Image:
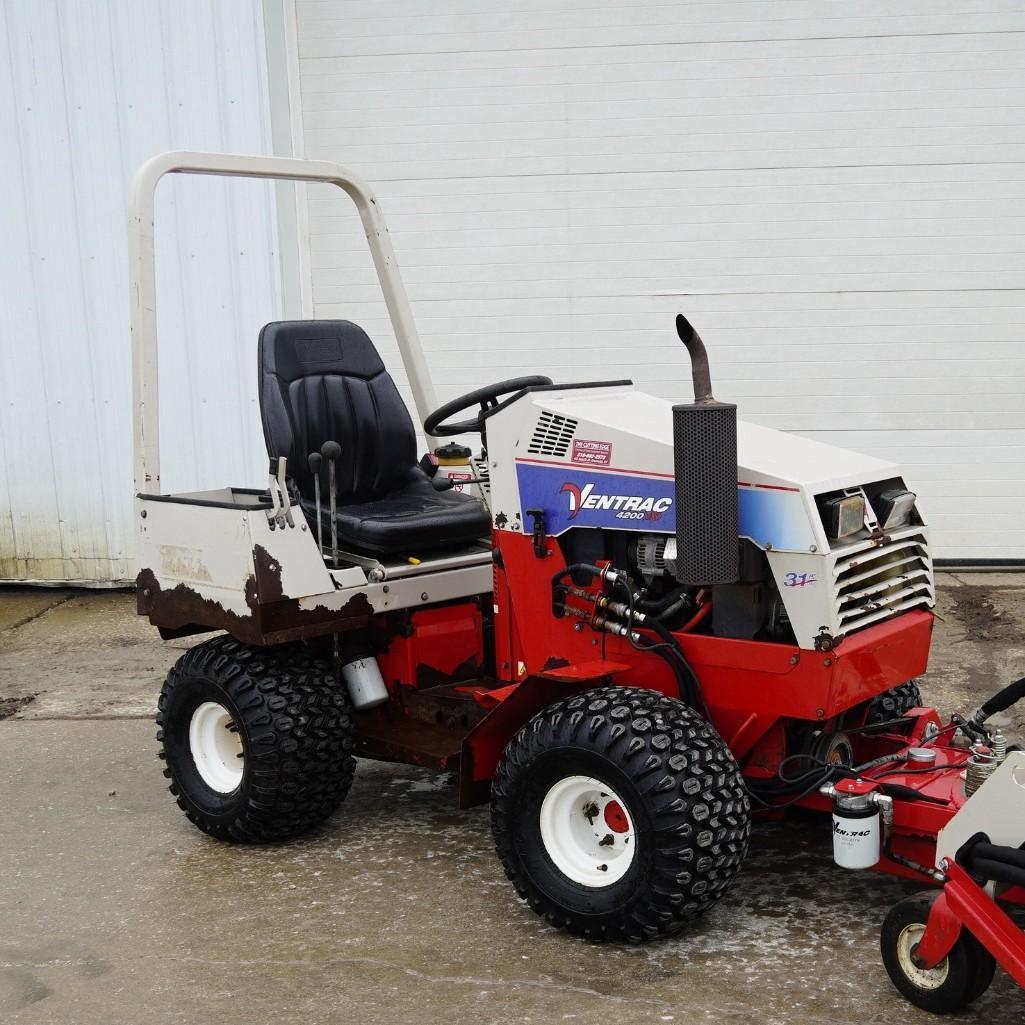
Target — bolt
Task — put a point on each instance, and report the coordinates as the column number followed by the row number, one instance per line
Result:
column 143, row 514
column 794, row 659
column 386, row 588
column 607, row 840
column 813, row 548
column 423, row 596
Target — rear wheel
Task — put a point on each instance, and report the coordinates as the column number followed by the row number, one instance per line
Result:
column 961, row 977
column 257, row 741
column 620, row 814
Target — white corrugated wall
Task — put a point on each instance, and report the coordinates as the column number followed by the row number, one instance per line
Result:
column 88, row 90
column 832, row 192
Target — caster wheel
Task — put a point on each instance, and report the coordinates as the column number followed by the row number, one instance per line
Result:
column 961, row 977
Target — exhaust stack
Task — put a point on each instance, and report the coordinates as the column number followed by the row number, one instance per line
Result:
column 705, row 451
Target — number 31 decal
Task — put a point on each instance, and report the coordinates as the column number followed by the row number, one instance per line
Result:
column 799, row 579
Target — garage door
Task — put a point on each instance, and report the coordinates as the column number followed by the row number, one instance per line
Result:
column 833, row 193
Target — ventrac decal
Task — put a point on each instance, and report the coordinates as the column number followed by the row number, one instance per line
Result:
column 626, row 507
column 575, row 497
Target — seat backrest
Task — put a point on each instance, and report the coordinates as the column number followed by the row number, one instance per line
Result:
column 323, row 380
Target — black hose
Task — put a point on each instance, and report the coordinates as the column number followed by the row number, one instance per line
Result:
column 992, row 852
column 682, row 683
column 996, row 871
column 696, row 698
column 654, row 606
column 1001, row 701
column 576, row 567
column 672, row 611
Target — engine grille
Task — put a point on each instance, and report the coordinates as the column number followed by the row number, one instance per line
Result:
column 552, row 435
column 877, row 582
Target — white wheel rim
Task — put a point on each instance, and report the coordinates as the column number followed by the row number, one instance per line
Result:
column 923, row 978
column 587, row 831
column 216, row 747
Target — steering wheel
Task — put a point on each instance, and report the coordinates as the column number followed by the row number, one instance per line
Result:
column 486, row 397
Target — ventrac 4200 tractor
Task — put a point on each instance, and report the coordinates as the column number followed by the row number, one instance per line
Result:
column 628, row 624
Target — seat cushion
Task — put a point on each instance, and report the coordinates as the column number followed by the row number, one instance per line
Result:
column 411, row 518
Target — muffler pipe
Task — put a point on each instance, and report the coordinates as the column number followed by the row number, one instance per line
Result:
column 705, row 456
column 698, row 360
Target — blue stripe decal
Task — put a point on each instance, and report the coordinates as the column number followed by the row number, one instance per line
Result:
column 573, row 497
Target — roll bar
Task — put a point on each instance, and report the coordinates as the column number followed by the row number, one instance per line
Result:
column 142, row 272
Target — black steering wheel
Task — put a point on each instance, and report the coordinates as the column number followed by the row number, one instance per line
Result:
column 487, row 398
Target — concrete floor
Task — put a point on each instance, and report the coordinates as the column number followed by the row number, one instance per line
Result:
column 113, row 909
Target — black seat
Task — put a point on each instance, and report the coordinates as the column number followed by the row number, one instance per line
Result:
column 323, row 380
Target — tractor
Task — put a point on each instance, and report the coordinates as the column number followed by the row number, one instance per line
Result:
column 631, row 625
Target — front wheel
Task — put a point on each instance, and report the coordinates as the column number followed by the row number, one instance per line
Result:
column 962, row 976
column 257, row 741
column 894, row 703
column 620, row 814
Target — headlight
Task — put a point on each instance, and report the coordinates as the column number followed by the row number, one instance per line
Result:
column 893, row 507
column 843, row 515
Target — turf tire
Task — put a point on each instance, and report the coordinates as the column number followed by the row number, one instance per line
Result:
column 295, row 724
column 894, row 703
column 681, row 786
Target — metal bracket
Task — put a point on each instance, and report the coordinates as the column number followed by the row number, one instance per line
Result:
column 538, row 533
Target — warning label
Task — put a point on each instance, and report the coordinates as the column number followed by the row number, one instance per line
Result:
column 592, row 453
column 460, row 480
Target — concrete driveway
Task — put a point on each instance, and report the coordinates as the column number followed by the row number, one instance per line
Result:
column 113, row 909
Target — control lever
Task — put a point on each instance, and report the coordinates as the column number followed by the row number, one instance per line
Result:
column 274, row 512
column 285, row 516
column 314, row 460
column 331, row 450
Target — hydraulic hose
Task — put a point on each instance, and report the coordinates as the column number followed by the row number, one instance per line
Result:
column 576, row 567
column 656, row 606
column 694, row 696
column 1001, row 701
column 993, row 852
column 997, row 871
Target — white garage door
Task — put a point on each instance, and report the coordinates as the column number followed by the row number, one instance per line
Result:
column 88, row 91
column 833, row 193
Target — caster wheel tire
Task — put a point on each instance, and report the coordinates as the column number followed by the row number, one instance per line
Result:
column 894, row 703
column 620, row 814
column 963, row 976
column 257, row 741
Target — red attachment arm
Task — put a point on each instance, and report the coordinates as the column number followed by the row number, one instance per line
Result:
column 963, row 901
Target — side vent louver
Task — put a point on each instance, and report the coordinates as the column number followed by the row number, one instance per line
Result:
column 552, row 435
column 877, row 582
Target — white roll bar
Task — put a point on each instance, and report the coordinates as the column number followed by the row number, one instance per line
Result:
column 143, row 280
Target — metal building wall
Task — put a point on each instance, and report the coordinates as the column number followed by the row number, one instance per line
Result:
column 832, row 192
column 88, row 90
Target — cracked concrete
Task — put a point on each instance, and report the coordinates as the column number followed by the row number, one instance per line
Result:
column 114, row 909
